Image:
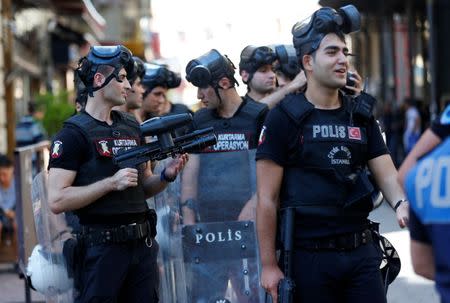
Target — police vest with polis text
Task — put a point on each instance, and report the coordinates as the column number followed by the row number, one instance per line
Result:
column 325, row 171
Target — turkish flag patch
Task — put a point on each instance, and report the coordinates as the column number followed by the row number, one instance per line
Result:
column 354, row 133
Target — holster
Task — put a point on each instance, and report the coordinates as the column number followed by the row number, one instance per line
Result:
column 73, row 252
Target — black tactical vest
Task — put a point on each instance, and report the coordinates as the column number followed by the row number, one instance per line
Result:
column 104, row 142
column 239, row 132
column 325, row 173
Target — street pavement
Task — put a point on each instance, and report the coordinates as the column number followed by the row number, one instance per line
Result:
column 408, row 287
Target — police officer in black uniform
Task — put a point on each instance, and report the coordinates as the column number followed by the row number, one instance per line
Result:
column 135, row 94
column 257, row 71
column 228, row 113
column 216, row 185
column 116, row 253
column 311, row 158
column 255, row 68
column 157, row 80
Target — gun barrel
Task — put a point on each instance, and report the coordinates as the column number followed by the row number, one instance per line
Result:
column 195, row 133
column 135, row 152
column 200, row 143
column 159, row 125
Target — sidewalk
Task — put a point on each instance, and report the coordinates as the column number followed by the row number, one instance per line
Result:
column 12, row 288
column 407, row 287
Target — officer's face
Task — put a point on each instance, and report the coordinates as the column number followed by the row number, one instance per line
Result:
column 116, row 91
column 154, row 101
column 263, row 80
column 135, row 95
column 282, row 79
column 208, row 97
column 6, row 176
column 329, row 65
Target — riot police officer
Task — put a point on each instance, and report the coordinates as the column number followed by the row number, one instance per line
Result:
column 218, row 187
column 157, row 80
column 116, row 250
column 224, row 110
column 135, row 94
column 311, row 158
column 255, row 68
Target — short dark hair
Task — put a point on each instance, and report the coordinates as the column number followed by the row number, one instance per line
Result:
column 5, row 161
column 32, row 107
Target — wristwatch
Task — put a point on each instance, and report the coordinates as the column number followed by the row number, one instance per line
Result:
column 399, row 202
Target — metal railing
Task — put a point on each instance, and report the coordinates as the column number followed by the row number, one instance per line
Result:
column 29, row 161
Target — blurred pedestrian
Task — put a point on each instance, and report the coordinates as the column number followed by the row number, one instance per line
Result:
column 412, row 129
column 28, row 129
column 432, row 137
column 7, row 197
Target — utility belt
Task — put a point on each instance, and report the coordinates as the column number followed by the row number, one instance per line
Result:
column 97, row 235
column 348, row 241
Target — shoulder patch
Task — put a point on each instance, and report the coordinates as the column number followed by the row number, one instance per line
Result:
column 57, row 149
column 262, row 136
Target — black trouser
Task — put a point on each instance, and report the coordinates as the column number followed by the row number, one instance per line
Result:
column 350, row 276
column 120, row 272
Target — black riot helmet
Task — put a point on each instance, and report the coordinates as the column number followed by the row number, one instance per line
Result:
column 253, row 57
column 307, row 35
column 209, row 68
column 287, row 61
column 159, row 75
column 117, row 56
column 138, row 70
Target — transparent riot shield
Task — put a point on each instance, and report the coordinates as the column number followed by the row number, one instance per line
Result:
column 47, row 267
column 170, row 256
column 218, row 202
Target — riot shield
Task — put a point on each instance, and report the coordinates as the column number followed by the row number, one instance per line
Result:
column 218, row 202
column 47, row 267
column 170, row 256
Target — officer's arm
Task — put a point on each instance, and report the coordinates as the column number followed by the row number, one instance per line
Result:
column 63, row 196
column 385, row 174
column 189, row 184
column 274, row 98
column 269, row 176
column 422, row 259
column 426, row 143
column 154, row 184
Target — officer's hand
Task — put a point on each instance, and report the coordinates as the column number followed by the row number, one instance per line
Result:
column 10, row 214
column 124, row 178
column 270, row 277
column 357, row 88
column 403, row 214
column 297, row 82
column 176, row 165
